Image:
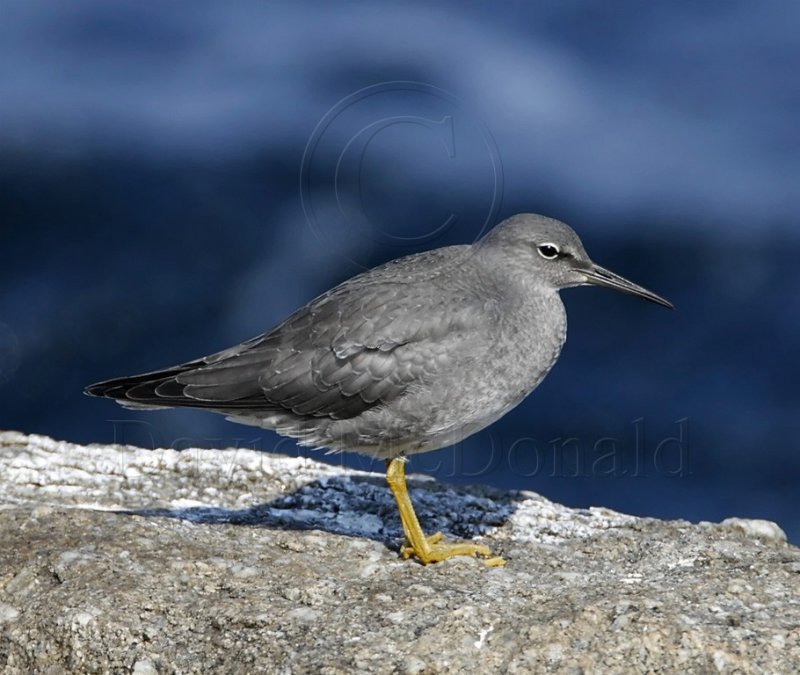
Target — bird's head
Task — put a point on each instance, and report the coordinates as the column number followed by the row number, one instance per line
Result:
column 550, row 253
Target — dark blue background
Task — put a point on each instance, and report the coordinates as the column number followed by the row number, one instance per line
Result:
column 150, row 205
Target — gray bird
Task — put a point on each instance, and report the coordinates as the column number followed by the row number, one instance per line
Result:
column 408, row 357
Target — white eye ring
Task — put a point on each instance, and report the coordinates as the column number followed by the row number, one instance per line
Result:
column 548, row 251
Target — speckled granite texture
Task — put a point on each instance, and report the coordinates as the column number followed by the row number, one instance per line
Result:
column 117, row 559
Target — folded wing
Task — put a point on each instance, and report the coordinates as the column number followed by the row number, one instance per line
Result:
column 340, row 355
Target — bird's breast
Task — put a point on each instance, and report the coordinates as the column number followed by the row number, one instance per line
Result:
column 527, row 345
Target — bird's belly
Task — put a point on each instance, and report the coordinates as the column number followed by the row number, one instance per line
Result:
column 474, row 398
column 443, row 438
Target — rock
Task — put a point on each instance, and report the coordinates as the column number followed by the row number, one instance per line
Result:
column 8, row 613
column 753, row 527
column 126, row 560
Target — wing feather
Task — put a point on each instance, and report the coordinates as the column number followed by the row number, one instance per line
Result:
column 358, row 346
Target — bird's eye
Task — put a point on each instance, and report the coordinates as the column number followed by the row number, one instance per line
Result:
column 548, row 251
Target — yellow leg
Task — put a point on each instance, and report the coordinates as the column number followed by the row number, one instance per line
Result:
column 426, row 549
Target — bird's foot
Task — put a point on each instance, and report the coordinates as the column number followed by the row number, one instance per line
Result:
column 432, row 551
column 407, row 549
column 427, row 549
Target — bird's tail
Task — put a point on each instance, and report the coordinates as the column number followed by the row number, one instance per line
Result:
column 158, row 389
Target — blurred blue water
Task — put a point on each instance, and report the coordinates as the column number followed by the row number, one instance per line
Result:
column 151, row 212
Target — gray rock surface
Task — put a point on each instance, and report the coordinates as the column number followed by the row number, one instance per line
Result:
column 117, row 559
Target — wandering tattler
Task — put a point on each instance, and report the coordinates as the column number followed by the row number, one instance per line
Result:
column 408, row 357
